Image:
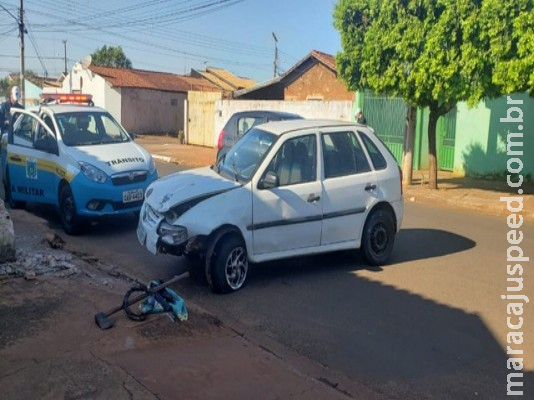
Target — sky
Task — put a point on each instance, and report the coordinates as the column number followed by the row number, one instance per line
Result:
column 169, row 35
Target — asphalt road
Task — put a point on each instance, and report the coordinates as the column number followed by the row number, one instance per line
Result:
column 429, row 325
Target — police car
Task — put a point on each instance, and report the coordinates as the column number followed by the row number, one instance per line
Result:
column 76, row 157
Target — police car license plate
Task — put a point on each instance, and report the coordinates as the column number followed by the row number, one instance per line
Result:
column 129, row 196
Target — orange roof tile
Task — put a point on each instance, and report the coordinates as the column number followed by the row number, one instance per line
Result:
column 236, row 82
column 216, row 80
column 327, row 59
column 135, row 78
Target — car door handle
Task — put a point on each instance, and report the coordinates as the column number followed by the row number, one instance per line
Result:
column 313, row 198
column 370, row 187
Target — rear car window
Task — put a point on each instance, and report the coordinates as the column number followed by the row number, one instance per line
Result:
column 343, row 154
column 245, row 123
column 378, row 160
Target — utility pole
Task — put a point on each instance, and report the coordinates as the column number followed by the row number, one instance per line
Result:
column 21, row 33
column 275, row 54
column 65, row 46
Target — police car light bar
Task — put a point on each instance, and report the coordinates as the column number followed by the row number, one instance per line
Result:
column 67, row 98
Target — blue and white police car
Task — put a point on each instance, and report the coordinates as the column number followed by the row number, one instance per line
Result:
column 76, row 157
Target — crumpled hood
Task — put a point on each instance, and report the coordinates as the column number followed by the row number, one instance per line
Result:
column 113, row 158
column 177, row 188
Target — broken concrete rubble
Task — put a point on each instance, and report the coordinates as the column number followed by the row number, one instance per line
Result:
column 32, row 264
column 7, row 236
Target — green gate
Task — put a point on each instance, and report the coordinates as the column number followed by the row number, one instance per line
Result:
column 387, row 116
column 446, row 134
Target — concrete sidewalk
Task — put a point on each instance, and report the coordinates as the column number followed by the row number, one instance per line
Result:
column 51, row 348
column 476, row 195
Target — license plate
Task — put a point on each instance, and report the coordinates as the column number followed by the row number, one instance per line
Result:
column 141, row 233
column 129, row 196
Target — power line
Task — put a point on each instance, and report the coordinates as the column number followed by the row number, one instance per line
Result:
column 37, row 52
column 158, row 37
column 9, row 12
column 200, row 57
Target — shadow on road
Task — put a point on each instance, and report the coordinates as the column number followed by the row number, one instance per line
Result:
column 413, row 244
column 409, row 345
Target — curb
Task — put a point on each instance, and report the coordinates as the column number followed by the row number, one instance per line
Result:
column 466, row 202
column 161, row 158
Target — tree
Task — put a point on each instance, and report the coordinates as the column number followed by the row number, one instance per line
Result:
column 433, row 53
column 511, row 37
column 111, row 57
column 14, row 80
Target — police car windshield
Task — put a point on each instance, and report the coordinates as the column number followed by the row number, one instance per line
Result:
column 90, row 128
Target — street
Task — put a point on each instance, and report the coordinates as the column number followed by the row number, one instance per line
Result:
column 430, row 325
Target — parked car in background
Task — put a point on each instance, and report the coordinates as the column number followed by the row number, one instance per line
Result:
column 76, row 157
column 286, row 189
column 242, row 121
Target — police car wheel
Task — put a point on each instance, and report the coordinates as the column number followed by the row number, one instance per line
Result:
column 67, row 210
column 13, row 204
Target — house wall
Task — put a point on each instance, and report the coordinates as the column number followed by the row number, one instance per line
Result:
column 81, row 80
column 152, row 111
column 31, row 93
column 84, row 81
column 317, row 83
column 481, row 138
column 480, row 142
column 271, row 92
column 338, row 110
column 112, row 101
column 137, row 110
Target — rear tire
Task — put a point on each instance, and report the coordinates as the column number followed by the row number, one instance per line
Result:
column 229, row 264
column 378, row 237
column 13, row 204
column 72, row 222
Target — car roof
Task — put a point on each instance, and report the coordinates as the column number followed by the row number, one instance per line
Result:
column 68, row 108
column 274, row 113
column 281, row 127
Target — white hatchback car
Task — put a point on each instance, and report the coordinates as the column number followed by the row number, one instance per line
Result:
column 286, row 189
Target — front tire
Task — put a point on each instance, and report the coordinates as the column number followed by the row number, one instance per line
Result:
column 229, row 265
column 72, row 223
column 378, row 237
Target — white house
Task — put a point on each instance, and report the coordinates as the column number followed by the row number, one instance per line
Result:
column 142, row 101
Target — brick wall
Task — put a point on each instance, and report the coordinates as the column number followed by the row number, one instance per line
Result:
column 316, row 83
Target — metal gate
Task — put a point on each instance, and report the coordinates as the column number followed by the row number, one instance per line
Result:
column 387, row 116
column 446, row 134
column 201, row 118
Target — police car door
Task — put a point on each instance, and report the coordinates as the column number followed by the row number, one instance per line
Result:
column 31, row 158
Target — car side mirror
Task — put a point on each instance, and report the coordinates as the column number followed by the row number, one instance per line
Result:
column 269, row 181
column 46, row 144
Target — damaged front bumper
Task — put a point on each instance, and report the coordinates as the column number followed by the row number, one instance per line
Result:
column 158, row 236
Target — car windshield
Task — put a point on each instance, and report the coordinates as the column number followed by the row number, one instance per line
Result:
column 245, row 156
column 90, row 128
